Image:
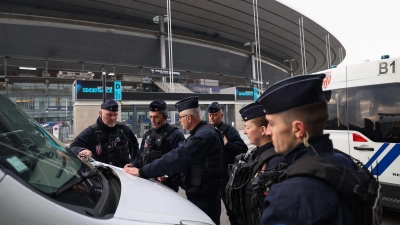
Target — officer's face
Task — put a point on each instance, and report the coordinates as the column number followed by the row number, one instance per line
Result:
column 282, row 134
column 157, row 119
column 215, row 118
column 109, row 118
column 184, row 118
column 256, row 134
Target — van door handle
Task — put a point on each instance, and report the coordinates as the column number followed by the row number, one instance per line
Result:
column 363, row 148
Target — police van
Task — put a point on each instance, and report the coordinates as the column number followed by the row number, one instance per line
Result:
column 44, row 182
column 364, row 118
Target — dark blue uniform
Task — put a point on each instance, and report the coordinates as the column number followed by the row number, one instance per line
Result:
column 87, row 139
column 235, row 144
column 233, row 147
column 250, row 216
column 173, row 140
column 201, row 151
column 306, row 200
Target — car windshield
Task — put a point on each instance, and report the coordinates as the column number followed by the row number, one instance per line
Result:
column 31, row 153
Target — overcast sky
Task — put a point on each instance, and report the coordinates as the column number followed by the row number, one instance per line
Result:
column 366, row 28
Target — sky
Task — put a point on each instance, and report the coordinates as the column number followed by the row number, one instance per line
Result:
column 367, row 29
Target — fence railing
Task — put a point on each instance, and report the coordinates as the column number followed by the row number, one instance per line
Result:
column 65, row 133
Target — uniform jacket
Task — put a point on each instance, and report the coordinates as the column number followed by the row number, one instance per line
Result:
column 198, row 146
column 174, row 139
column 235, row 144
column 87, row 140
column 306, row 200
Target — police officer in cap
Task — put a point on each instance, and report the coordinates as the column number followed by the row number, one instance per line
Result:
column 244, row 194
column 107, row 140
column 233, row 146
column 199, row 159
column 297, row 112
column 160, row 139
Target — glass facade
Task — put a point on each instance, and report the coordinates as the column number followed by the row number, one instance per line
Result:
column 43, row 87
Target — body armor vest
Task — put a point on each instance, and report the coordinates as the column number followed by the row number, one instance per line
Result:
column 210, row 167
column 156, row 145
column 243, row 196
column 112, row 148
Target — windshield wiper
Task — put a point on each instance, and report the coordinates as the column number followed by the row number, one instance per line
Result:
column 68, row 185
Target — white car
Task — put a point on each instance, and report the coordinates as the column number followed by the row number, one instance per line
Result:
column 43, row 182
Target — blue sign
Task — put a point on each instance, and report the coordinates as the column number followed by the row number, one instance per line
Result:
column 255, row 93
column 243, row 93
column 92, row 89
column 117, row 90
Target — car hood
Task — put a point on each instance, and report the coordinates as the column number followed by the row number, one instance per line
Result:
column 149, row 201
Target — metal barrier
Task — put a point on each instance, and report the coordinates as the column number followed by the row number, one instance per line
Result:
column 65, row 133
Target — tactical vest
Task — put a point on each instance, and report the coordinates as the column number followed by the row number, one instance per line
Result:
column 156, row 145
column 359, row 187
column 210, row 167
column 112, row 148
column 243, row 196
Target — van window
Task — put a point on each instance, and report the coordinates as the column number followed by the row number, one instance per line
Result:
column 337, row 110
column 372, row 110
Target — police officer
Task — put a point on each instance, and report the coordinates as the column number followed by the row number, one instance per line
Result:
column 233, row 146
column 107, row 140
column 160, row 139
column 297, row 112
column 199, row 159
column 244, row 195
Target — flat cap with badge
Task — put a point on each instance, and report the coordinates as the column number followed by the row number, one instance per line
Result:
column 157, row 105
column 110, row 105
column 252, row 111
column 187, row 103
column 292, row 92
column 214, row 107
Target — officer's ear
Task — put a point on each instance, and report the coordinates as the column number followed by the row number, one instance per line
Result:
column 298, row 129
column 263, row 130
column 100, row 114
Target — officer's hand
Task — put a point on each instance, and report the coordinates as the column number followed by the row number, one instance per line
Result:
column 128, row 165
column 264, row 167
column 225, row 140
column 132, row 170
column 162, row 179
column 85, row 154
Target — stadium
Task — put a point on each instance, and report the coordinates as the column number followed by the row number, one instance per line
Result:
column 51, row 50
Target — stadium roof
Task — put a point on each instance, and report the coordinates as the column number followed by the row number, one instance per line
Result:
column 228, row 23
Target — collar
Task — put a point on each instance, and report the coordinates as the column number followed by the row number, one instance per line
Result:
column 321, row 143
column 104, row 127
column 161, row 128
column 219, row 125
column 264, row 148
column 193, row 131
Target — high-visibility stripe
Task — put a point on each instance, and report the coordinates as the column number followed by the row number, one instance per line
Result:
column 376, row 155
column 387, row 160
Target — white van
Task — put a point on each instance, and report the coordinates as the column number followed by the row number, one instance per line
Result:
column 364, row 119
column 43, row 182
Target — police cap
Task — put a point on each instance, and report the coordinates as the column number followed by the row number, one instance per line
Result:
column 110, row 105
column 214, row 107
column 292, row 92
column 157, row 105
column 187, row 103
column 252, row 111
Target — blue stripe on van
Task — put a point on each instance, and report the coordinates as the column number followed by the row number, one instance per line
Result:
column 387, row 160
column 376, row 155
